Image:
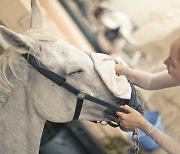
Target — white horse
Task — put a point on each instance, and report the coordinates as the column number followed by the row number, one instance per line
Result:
column 28, row 98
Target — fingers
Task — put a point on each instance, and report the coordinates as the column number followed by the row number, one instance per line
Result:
column 119, row 113
column 119, row 62
column 128, row 108
column 118, row 68
column 132, row 119
column 125, row 118
column 122, row 120
column 120, row 117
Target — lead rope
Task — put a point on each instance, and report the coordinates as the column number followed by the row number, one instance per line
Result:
column 135, row 138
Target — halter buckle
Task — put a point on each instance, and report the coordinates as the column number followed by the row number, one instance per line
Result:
column 81, row 95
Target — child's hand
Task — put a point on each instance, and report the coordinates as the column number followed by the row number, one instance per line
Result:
column 133, row 119
column 118, row 65
column 118, row 68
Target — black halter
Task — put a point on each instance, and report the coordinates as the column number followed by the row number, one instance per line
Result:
column 81, row 95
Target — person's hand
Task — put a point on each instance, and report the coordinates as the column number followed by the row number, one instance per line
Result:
column 118, row 68
column 132, row 119
column 118, row 65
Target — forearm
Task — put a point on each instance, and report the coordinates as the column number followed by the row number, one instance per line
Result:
column 167, row 143
column 147, row 80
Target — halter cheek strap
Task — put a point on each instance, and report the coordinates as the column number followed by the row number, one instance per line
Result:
column 80, row 98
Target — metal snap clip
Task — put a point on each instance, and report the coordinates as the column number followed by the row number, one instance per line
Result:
column 81, row 95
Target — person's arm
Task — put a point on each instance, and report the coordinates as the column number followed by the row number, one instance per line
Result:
column 146, row 80
column 135, row 120
column 166, row 142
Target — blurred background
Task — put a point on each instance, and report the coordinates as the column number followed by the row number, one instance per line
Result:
column 137, row 32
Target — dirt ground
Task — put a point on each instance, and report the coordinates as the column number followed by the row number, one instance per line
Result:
column 157, row 24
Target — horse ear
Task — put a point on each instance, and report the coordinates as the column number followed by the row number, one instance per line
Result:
column 18, row 41
column 36, row 17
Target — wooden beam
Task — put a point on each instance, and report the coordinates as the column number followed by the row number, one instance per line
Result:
column 66, row 24
column 15, row 14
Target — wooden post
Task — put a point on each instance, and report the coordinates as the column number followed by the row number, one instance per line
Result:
column 66, row 24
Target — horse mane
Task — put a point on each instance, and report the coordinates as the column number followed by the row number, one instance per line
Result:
column 10, row 59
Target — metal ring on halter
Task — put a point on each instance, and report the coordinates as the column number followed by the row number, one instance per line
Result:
column 103, row 123
column 81, row 95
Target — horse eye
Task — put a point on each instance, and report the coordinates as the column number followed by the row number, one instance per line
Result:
column 78, row 71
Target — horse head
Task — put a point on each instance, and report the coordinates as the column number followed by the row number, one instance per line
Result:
column 35, row 98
